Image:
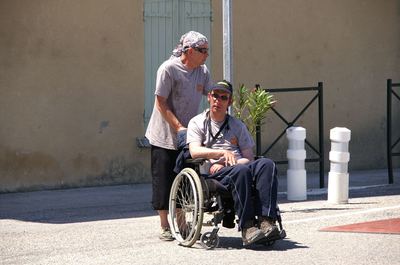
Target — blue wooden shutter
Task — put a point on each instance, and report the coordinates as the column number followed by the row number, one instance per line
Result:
column 165, row 22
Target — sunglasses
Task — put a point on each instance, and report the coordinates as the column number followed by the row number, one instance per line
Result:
column 201, row 50
column 219, row 97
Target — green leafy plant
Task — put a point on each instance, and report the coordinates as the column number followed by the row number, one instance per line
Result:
column 251, row 106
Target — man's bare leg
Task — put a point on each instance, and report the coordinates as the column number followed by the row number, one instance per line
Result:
column 163, row 218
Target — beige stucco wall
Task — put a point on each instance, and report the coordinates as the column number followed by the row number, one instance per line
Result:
column 72, row 80
column 71, row 86
column 351, row 46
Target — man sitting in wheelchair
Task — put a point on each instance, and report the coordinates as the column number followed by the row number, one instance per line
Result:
column 227, row 144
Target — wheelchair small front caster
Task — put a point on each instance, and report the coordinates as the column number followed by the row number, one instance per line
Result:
column 209, row 240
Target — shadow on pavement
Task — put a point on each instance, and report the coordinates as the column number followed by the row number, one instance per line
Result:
column 280, row 245
column 126, row 201
column 78, row 205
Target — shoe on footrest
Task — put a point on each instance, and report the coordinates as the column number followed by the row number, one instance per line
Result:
column 251, row 234
column 268, row 227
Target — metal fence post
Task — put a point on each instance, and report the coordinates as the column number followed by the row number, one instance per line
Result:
column 389, row 130
column 321, row 135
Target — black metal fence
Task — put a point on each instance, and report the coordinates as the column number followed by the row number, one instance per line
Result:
column 391, row 143
column 319, row 151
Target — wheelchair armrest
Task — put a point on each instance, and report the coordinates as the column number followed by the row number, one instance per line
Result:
column 195, row 161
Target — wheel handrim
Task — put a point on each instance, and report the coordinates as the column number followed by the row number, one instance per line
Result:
column 186, row 192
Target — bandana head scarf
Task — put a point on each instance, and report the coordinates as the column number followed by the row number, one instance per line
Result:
column 190, row 39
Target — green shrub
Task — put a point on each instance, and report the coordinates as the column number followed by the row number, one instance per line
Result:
column 251, row 106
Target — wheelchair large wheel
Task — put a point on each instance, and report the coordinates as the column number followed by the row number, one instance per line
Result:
column 186, row 207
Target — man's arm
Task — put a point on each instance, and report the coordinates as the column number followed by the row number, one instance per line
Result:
column 168, row 115
column 198, row 151
column 247, row 156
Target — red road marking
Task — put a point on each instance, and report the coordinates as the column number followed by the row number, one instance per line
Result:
column 388, row 226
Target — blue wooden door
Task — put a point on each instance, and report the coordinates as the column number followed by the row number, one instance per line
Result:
column 165, row 22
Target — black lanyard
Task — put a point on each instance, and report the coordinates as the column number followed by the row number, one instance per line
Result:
column 214, row 138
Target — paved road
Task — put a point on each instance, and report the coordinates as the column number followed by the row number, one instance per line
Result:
column 115, row 225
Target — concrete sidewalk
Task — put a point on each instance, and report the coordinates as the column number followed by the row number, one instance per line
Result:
column 116, row 225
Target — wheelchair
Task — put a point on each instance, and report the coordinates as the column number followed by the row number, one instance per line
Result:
column 191, row 196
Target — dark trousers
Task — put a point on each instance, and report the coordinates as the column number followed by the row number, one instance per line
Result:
column 162, row 169
column 254, row 188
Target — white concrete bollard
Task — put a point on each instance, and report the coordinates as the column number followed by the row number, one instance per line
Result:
column 338, row 182
column 296, row 173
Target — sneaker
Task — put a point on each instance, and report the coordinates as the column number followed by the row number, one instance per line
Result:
column 268, row 227
column 251, row 234
column 166, row 234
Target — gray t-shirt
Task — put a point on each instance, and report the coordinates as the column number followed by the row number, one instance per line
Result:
column 183, row 89
column 234, row 136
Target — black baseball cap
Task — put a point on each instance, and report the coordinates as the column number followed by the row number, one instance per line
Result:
column 222, row 85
